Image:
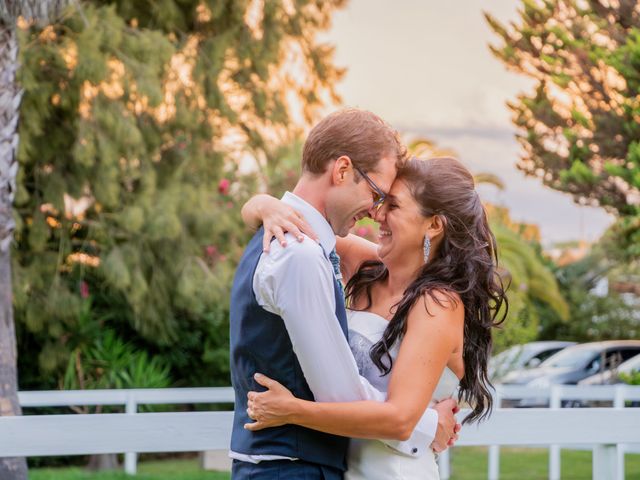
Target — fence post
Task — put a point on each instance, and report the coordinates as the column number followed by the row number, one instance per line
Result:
column 131, row 458
column 554, row 450
column 605, row 462
column 444, row 464
column 494, row 450
column 619, row 402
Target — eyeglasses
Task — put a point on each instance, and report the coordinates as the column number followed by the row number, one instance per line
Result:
column 378, row 195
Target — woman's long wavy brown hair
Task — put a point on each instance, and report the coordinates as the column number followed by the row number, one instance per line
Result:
column 464, row 264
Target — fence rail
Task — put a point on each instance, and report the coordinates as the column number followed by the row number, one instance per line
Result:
column 604, row 430
column 616, row 394
column 141, row 396
column 130, row 399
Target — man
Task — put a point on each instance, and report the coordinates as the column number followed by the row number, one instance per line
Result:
column 288, row 318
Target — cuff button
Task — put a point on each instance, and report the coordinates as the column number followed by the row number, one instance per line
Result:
column 414, row 450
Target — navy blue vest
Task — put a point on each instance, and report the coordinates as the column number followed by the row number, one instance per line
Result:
column 260, row 343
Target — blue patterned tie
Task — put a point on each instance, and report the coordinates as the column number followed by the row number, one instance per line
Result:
column 335, row 262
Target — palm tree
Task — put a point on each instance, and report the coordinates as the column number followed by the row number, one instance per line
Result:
column 12, row 11
column 489, row 179
column 424, row 148
column 521, row 266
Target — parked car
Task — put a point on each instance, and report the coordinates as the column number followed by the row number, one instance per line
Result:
column 611, row 377
column 528, row 355
column 571, row 365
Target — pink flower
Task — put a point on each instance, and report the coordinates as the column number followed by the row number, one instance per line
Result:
column 363, row 231
column 84, row 289
column 223, row 186
column 211, row 250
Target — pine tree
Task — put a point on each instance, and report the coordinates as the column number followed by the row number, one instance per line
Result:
column 140, row 122
column 579, row 126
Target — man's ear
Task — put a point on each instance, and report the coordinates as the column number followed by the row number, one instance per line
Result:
column 340, row 169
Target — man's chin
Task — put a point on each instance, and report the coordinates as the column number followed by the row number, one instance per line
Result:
column 344, row 231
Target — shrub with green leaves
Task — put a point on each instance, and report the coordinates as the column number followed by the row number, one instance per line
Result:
column 135, row 120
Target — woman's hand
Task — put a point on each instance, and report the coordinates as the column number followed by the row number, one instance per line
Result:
column 277, row 218
column 271, row 408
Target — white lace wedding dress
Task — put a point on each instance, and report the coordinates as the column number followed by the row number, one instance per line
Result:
column 372, row 459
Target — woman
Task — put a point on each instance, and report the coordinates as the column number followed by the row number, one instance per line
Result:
column 421, row 307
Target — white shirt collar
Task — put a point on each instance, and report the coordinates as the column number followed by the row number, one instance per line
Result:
column 316, row 220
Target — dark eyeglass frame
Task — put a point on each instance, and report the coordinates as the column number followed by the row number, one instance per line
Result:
column 382, row 196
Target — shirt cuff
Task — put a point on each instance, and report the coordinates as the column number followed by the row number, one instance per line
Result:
column 421, row 438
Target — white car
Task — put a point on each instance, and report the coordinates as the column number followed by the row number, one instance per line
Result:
column 518, row 357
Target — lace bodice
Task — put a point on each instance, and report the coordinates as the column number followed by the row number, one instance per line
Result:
column 365, row 329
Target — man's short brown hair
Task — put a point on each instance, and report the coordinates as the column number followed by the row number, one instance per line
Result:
column 361, row 135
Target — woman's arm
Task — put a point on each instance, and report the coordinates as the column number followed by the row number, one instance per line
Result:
column 252, row 210
column 277, row 218
column 432, row 336
column 354, row 251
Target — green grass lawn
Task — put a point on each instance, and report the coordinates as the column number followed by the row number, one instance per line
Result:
column 468, row 463
column 471, row 463
column 151, row 470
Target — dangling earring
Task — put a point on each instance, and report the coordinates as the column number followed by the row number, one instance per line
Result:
column 426, row 248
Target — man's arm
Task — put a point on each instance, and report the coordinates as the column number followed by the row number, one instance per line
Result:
column 296, row 283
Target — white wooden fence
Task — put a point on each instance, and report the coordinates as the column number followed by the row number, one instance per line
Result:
column 616, row 395
column 130, row 398
column 605, row 430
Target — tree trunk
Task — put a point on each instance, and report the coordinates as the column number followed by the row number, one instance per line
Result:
column 10, row 95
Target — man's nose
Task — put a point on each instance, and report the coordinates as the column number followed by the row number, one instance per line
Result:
column 376, row 212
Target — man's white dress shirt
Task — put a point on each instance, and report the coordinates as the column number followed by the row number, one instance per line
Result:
column 296, row 283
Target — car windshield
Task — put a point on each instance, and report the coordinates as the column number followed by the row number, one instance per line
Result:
column 630, row 365
column 510, row 355
column 513, row 357
column 570, row 358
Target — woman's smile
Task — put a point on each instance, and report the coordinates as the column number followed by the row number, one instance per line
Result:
column 384, row 234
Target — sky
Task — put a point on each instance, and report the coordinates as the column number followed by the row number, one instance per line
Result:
column 425, row 67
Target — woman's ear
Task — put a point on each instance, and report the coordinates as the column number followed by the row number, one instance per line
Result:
column 435, row 226
column 340, row 168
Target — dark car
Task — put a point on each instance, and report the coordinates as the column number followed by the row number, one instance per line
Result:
column 611, row 377
column 573, row 364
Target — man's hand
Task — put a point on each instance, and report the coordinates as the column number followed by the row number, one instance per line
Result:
column 448, row 428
